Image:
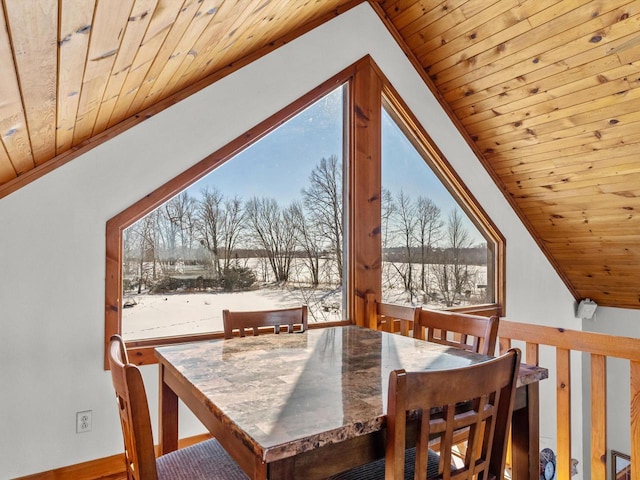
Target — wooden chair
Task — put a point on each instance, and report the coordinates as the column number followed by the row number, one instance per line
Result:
column 289, row 317
column 460, row 330
column 487, row 388
column 203, row 460
column 384, row 316
column 474, row 333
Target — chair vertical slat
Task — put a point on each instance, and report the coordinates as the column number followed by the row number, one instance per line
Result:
column 563, row 420
column 598, row 417
column 634, row 383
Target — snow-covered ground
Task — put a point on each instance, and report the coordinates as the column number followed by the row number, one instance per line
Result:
column 174, row 314
column 161, row 315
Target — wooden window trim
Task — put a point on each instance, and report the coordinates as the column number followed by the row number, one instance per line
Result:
column 363, row 154
column 365, row 243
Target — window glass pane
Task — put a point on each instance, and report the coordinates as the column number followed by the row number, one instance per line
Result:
column 262, row 231
column 434, row 254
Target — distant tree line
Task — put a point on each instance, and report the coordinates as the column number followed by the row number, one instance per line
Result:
column 204, row 241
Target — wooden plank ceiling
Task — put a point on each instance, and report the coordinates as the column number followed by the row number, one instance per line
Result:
column 545, row 90
column 548, row 93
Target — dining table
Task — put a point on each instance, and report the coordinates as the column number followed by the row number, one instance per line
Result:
column 308, row 405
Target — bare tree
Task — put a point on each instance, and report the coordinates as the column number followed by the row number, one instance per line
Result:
column 167, row 237
column 453, row 275
column 230, row 226
column 428, row 233
column 405, row 223
column 387, row 211
column 208, row 214
column 323, row 201
column 181, row 213
column 142, row 236
column 274, row 231
column 310, row 240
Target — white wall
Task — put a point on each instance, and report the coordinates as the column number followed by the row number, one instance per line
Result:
column 52, row 245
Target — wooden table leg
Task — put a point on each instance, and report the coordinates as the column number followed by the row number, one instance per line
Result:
column 525, row 437
column 168, row 421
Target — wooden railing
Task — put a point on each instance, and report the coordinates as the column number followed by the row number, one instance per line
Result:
column 598, row 347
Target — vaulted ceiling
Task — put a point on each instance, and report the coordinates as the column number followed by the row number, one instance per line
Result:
column 546, row 91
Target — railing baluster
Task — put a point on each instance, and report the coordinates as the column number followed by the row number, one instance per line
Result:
column 563, row 420
column 505, row 344
column 635, row 419
column 598, row 417
column 532, row 353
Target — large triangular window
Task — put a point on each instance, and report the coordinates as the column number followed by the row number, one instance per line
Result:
column 340, row 195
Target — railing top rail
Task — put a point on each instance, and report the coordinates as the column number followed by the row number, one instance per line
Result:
column 594, row 343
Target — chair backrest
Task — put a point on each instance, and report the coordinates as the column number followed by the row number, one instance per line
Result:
column 134, row 413
column 289, row 317
column 469, row 332
column 487, row 391
column 383, row 316
column 389, row 313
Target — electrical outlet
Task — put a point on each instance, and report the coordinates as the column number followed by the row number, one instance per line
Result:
column 83, row 421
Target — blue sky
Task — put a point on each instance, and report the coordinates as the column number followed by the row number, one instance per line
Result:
column 404, row 169
column 297, row 146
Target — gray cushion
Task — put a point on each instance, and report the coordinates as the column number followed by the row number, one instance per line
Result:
column 202, row 461
column 375, row 470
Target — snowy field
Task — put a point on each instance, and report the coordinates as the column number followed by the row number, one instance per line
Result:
column 174, row 314
column 161, row 315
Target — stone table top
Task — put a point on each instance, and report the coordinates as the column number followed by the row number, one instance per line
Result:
column 288, row 393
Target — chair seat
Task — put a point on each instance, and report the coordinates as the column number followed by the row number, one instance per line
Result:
column 375, row 470
column 203, row 461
